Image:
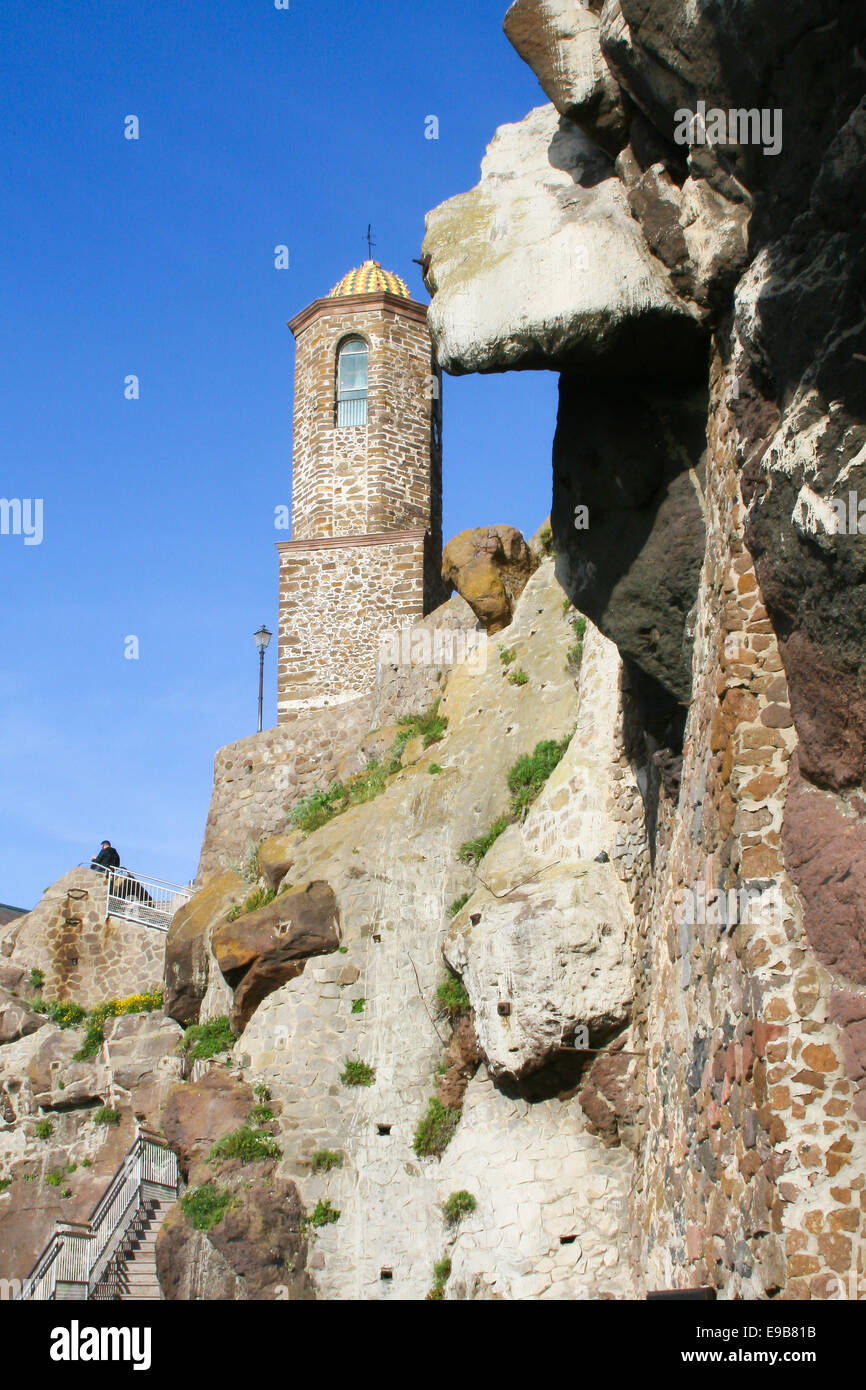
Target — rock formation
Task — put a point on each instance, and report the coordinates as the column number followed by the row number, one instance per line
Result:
column 569, row 922
column 702, row 516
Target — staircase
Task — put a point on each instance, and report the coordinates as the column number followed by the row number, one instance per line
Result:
column 131, row 1274
column 112, row 1256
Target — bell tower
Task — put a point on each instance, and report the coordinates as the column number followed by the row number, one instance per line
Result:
column 366, row 541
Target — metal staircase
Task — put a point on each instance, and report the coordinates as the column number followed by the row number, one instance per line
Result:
column 111, row 1256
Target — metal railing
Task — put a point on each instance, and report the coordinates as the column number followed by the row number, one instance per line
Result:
column 77, row 1256
column 149, row 902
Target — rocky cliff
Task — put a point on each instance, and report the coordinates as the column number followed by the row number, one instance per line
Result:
column 544, row 974
column 703, row 300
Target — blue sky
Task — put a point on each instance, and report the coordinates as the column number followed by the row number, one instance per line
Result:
column 155, row 257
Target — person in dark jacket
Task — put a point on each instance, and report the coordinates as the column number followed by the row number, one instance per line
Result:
column 107, row 858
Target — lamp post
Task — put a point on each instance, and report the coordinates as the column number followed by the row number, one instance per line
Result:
column 262, row 637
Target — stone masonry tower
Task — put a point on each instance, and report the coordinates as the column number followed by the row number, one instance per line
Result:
column 366, row 544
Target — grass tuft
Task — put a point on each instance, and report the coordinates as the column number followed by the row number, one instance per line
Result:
column 357, row 1074
column 205, row 1206
column 473, row 851
column 248, row 1144
column 324, row 1160
column 458, row 1205
column 436, row 1129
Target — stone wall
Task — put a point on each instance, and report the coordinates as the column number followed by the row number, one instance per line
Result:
column 384, row 476
column 89, row 959
column 337, row 598
column 752, row 1173
column 258, row 779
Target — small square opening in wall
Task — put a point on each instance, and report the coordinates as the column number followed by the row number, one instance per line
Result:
column 503, row 1008
column 383, row 1129
column 567, row 1240
column 377, row 937
column 386, row 1274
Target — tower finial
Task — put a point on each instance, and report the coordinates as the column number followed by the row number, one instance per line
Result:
column 370, row 242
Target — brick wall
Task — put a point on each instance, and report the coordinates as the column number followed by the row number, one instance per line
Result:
column 337, row 598
column 384, row 476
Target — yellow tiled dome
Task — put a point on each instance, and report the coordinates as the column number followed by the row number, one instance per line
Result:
column 370, row 278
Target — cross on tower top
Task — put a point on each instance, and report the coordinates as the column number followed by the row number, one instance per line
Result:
column 370, row 242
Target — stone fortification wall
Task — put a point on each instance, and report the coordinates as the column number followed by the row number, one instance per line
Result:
column 337, row 599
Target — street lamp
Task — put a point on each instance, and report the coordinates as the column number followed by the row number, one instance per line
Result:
column 262, row 637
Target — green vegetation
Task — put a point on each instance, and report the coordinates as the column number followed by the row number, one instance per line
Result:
column 431, row 725
column 94, row 1034
column 259, row 897
column 44, row 1129
column 576, row 652
column 545, row 536
column 54, row 1177
column 357, row 1074
column 37, row 979
column 4, row 1184
column 436, row 1130
column 473, row 851
column 64, row 1013
column 261, row 1115
column 324, row 1160
column 249, row 869
column 262, row 1092
column 458, row 1205
column 315, row 810
column 204, row 1040
column 529, row 774
column 106, row 1115
column 205, row 1206
column 441, row 1275
column 66, row 1192
column 29, row 1177
column 358, row 1005
column 248, row 1144
column 323, row 1214
column 434, row 768
column 507, row 655
column 452, row 997
column 518, row 678
column 460, row 902
column 234, row 913
column 86, row 1163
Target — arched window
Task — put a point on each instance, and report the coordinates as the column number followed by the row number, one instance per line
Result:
column 352, row 382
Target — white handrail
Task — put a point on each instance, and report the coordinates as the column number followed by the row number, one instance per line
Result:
column 140, row 898
column 79, row 1255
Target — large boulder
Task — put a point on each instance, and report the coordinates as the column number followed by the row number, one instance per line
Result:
column 198, row 1113
column 541, row 964
column 542, row 946
column 16, row 1019
column 187, row 947
column 257, row 1250
column 543, row 263
column 277, row 855
column 264, row 949
column 560, row 40
column 489, row 567
column 143, row 1054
